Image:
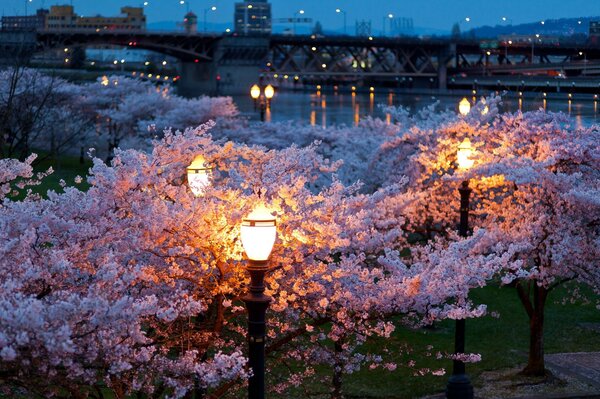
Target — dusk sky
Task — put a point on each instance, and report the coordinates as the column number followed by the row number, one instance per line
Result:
column 436, row 14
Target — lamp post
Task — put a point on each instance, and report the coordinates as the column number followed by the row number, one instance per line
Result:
column 258, row 233
column 299, row 12
column 340, row 11
column 459, row 385
column 206, row 10
column 263, row 98
column 198, row 175
column 464, row 106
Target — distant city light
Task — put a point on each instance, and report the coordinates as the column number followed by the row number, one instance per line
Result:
column 468, row 19
column 301, row 11
column 145, row 3
column 249, row 5
column 213, row 8
column 164, row 62
column 390, row 15
column 227, row 30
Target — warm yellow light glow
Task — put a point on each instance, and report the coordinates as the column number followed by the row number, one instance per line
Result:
column 255, row 92
column 269, row 92
column 464, row 153
column 258, row 233
column 198, row 175
column 485, row 110
column 464, row 107
column 104, row 81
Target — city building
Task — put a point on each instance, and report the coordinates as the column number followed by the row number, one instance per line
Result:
column 594, row 33
column 190, row 22
column 25, row 22
column 253, row 18
column 64, row 17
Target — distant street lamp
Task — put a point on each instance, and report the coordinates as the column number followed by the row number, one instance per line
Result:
column 464, row 107
column 258, row 234
column 198, row 175
column 299, row 12
column 206, row 10
column 340, row 11
column 459, row 385
column 263, row 98
column 389, row 17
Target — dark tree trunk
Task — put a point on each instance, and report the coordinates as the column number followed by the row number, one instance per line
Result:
column 533, row 298
column 336, row 380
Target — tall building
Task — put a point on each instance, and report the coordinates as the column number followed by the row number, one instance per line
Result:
column 190, row 23
column 64, row 17
column 25, row 22
column 253, row 18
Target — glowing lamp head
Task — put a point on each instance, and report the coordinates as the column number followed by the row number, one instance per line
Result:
column 255, row 92
column 269, row 92
column 198, row 175
column 258, row 233
column 464, row 107
column 464, row 153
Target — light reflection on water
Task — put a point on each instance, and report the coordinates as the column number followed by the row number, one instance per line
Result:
column 327, row 108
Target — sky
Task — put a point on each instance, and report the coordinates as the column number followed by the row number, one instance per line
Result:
column 432, row 14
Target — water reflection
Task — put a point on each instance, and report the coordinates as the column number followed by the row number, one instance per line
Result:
column 331, row 108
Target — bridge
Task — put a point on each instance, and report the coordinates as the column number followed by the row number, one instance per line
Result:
column 232, row 63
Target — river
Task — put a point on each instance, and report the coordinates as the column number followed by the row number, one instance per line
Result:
column 332, row 108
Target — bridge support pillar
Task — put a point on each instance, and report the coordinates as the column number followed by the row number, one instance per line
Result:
column 235, row 67
column 445, row 56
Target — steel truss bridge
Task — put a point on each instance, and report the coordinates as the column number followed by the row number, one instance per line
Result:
column 335, row 58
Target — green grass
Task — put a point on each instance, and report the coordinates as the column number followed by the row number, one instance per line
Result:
column 65, row 168
column 502, row 342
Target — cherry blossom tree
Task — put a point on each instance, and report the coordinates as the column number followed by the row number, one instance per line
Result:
column 535, row 188
column 135, row 284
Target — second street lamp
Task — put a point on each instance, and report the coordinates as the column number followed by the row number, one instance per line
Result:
column 464, row 107
column 258, row 234
column 263, row 98
column 459, row 385
column 198, row 175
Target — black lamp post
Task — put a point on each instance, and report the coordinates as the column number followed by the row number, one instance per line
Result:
column 263, row 98
column 459, row 385
column 258, row 235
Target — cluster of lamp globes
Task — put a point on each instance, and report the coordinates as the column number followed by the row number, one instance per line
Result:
column 258, row 230
column 255, row 92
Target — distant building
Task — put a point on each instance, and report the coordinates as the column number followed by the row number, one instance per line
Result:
column 25, row 22
column 190, row 23
column 64, row 17
column 253, row 18
column 594, row 32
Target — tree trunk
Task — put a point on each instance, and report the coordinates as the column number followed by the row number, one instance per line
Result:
column 534, row 307
column 336, row 380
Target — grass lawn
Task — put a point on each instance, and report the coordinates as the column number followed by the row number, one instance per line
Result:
column 65, row 168
column 502, row 342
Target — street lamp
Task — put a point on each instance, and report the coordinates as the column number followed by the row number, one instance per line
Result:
column 198, row 175
column 262, row 97
column 464, row 106
column 459, row 385
column 390, row 16
column 206, row 10
column 339, row 10
column 299, row 12
column 258, row 234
